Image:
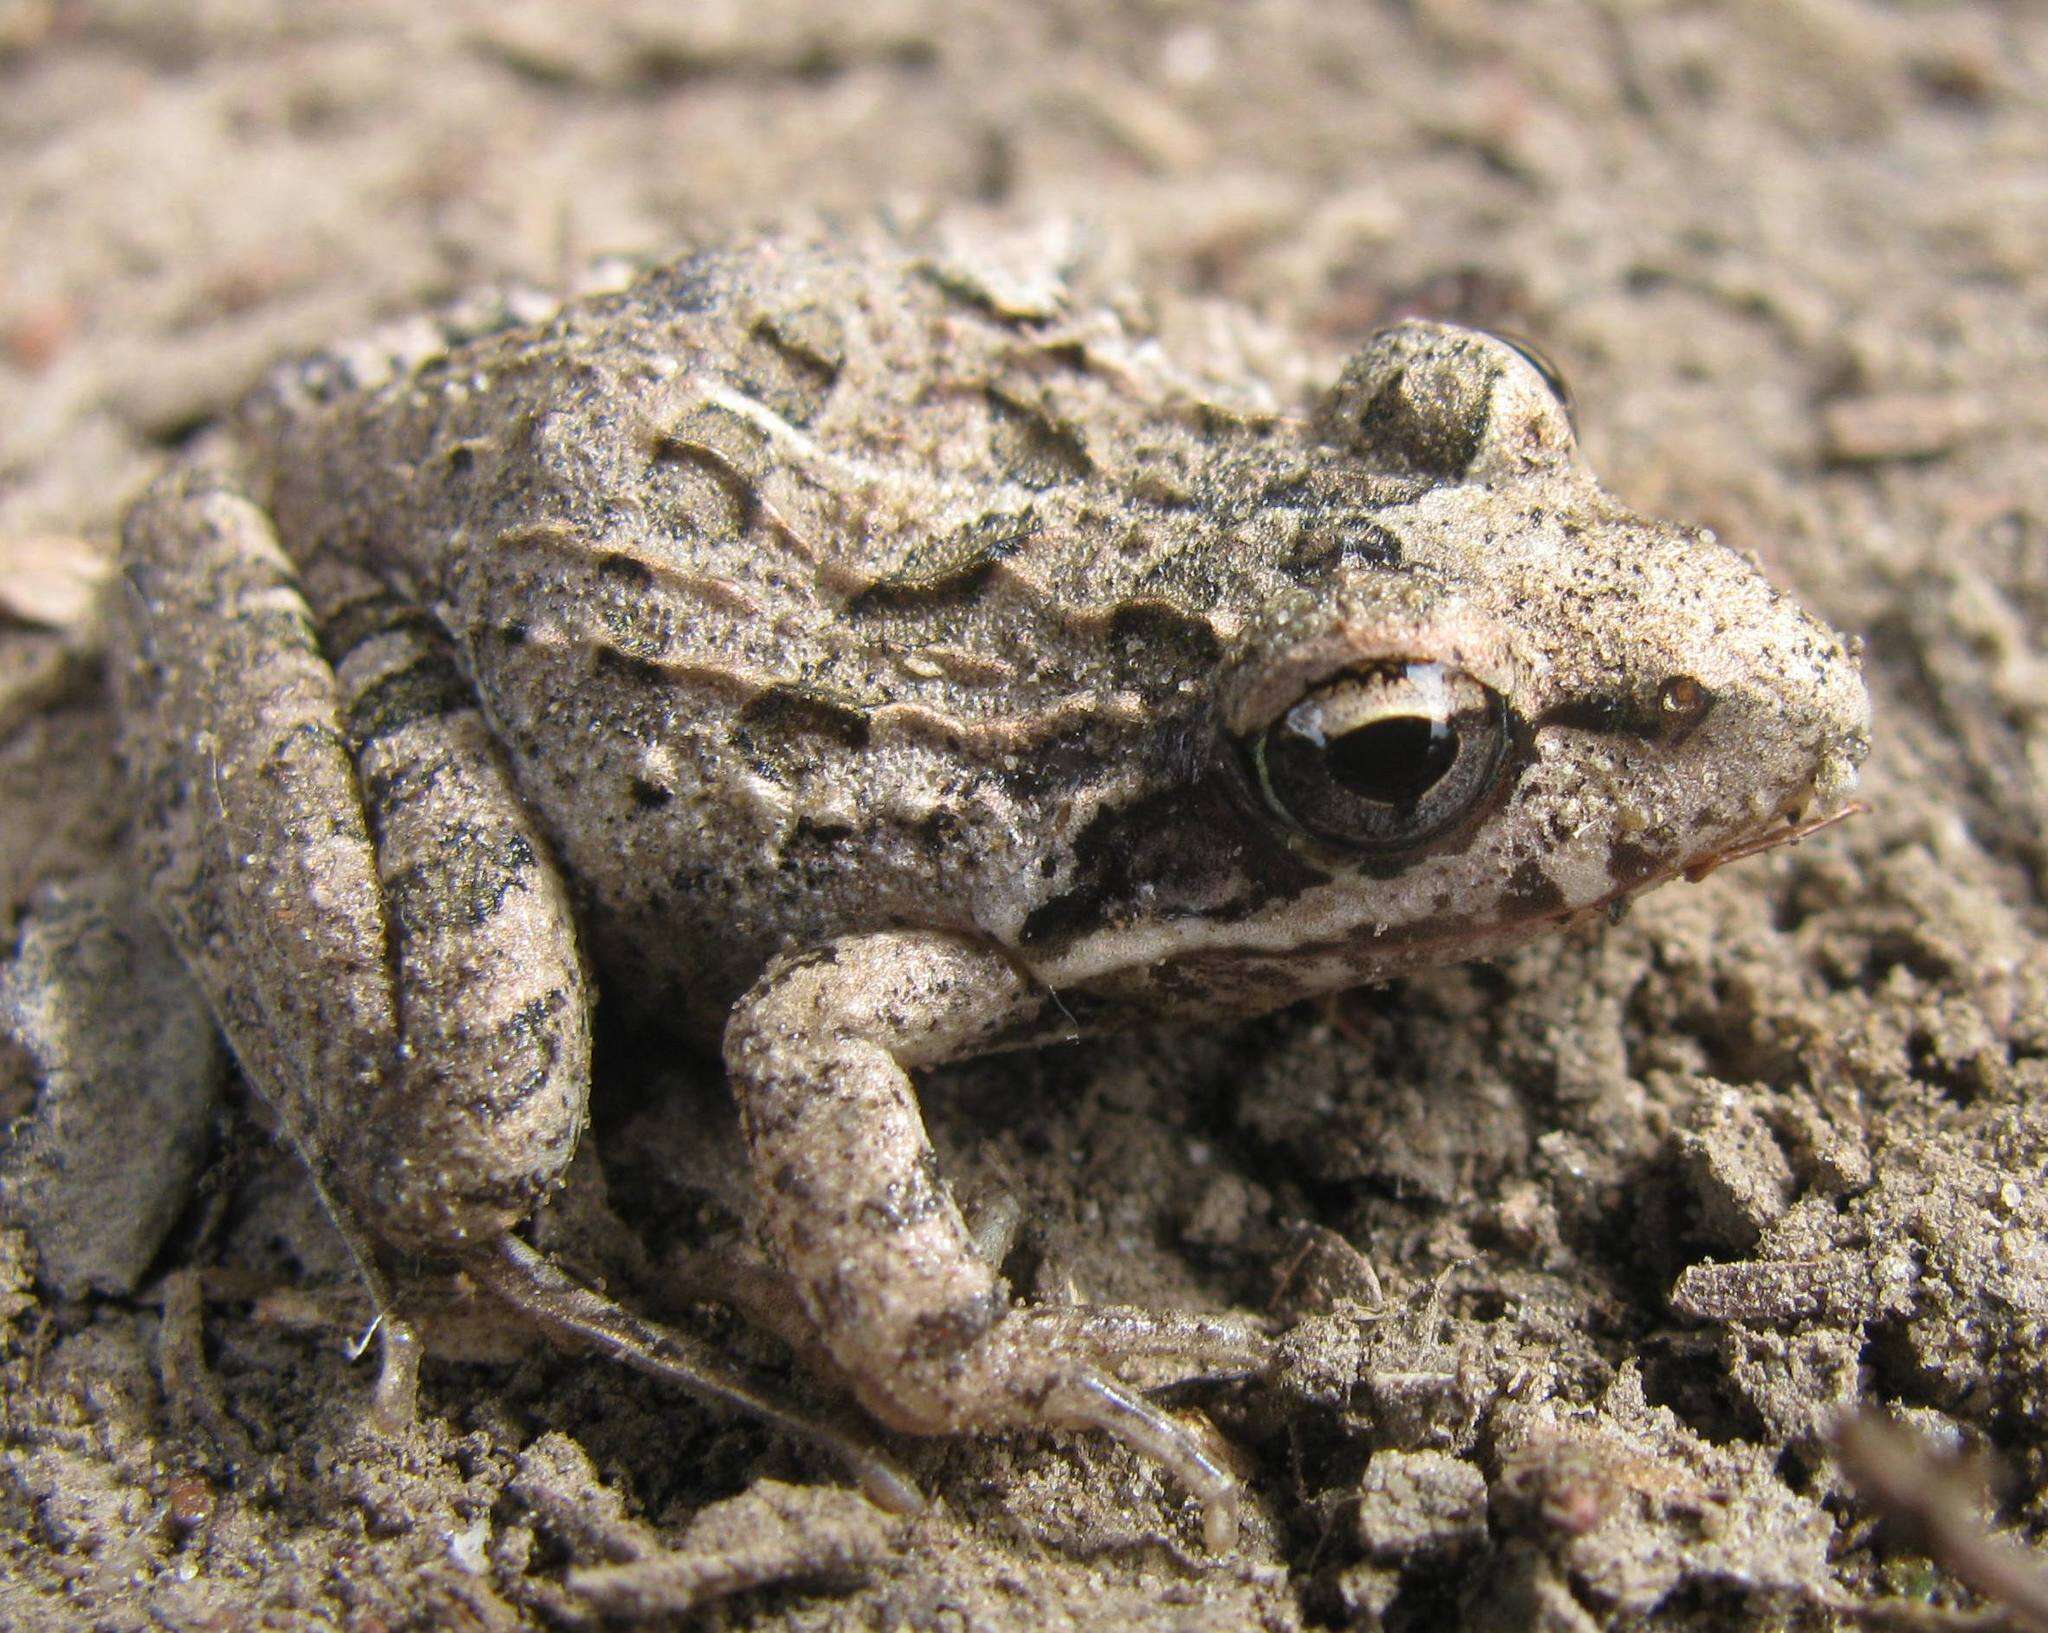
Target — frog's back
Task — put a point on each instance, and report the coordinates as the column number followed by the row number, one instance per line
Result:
column 813, row 591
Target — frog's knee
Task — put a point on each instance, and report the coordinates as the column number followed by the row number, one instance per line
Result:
column 442, row 1204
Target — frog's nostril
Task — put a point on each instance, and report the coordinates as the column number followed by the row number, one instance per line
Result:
column 1839, row 765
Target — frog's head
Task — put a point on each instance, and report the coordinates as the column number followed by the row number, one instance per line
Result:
column 1544, row 704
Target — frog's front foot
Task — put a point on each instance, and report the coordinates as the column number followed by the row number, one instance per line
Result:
column 854, row 1210
column 1018, row 1375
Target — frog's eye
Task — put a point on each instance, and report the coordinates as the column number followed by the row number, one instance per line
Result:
column 1546, row 369
column 1383, row 757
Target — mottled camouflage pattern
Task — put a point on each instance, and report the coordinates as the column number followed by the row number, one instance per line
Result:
column 875, row 652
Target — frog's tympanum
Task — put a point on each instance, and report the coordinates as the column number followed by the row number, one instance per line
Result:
column 823, row 654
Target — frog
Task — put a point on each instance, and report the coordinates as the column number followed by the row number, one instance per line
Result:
column 849, row 660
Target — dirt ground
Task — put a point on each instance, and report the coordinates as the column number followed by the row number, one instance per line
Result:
column 1578, row 1256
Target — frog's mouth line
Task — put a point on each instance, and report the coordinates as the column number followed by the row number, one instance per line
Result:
column 1696, row 868
column 1504, row 931
column 1699, row 867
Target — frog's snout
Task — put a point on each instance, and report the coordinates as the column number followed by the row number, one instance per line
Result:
column 1837, row 725
column 1794, row 724
column 1772, row 758
column 1841, row 759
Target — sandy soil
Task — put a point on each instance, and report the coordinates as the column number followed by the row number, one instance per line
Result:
column 1580, row 1254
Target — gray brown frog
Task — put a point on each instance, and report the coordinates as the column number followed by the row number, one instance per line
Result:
column 856, row 665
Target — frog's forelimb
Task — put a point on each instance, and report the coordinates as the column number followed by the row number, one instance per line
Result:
column 819, row 1055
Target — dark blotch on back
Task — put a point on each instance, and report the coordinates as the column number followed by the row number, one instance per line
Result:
column 951, row 568
column 1036, row 449
column 1157, row 628
column 813, row 336
column 626, row 570
column 1341, row 541
column 792, row 710
column 792, row 362
column 641, row 671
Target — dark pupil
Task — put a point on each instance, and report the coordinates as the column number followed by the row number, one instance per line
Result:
column 1393, row 761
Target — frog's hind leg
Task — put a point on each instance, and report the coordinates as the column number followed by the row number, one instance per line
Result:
column 556, row 1302
column 327, row 827
column 480, row 1110
column 493, row 1002
column 331, row 834
column 248, row 829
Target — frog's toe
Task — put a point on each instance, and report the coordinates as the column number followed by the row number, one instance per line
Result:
column 394, row 1401
column 540, row 1290
column 1153, row 1349
column 1082, row 1398
column 1023, row 1374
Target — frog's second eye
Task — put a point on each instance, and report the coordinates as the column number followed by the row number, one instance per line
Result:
column 1547, row 370
column 1383, row 757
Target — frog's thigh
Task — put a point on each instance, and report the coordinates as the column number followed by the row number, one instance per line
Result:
column 853, row 1207
column 483, row 1113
